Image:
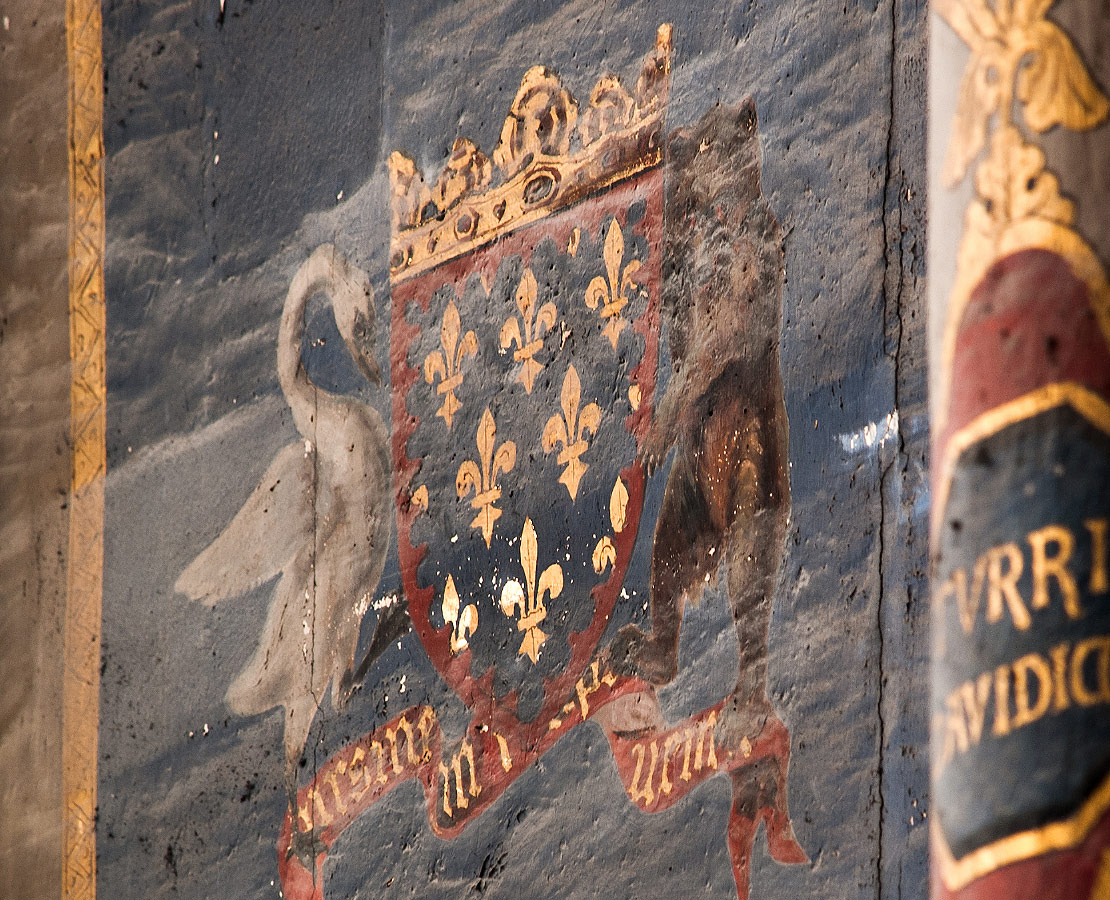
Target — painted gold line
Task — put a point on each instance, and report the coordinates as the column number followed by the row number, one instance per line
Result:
column 1092, row 406
column 84, row 570
column 958, row 873
column 451, row 248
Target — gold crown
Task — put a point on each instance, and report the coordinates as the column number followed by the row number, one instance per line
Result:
column 548, row 157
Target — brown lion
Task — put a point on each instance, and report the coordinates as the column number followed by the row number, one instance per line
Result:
column 727, row 496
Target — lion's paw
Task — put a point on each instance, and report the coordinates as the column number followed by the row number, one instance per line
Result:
column 635, row 653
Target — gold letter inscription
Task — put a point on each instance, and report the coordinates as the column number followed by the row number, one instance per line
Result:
column 1055, row 566
column 1003, row 585
column 1035, row 665
column 1100, row 581
column 454, row 772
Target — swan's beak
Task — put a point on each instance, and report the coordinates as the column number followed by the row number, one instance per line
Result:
column 360, row 342
column 370, row 368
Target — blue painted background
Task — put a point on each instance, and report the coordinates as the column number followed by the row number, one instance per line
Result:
column 301, row 102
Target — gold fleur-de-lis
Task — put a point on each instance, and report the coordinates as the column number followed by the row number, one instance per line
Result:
column 447, row 363
column 618, row 506
column 612, row 292
column 605, row 553
column 529, row 341
column 526, row 602
column 483, row 481
column 572, row 241
column 571, row 429
column 463, row 624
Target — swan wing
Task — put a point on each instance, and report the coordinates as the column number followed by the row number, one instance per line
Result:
column 274, row 524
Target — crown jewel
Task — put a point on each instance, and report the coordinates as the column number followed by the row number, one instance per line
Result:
column 550, row 154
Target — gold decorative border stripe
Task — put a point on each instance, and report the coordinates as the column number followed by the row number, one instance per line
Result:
column 85, row 563
column 1089, row 404
column 1063, row 835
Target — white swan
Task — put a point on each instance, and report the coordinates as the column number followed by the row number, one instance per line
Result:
column 320, row 517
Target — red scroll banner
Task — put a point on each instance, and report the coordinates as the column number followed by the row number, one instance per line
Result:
column 658, row 766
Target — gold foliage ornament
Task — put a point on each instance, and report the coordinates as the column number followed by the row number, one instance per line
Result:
column 483, row 481
column 605, row 553
column 446, row 364
column 571, row 429
column 618, row 506
column 611, row 108
column 526, row 602
column 540, row 122
column 611, row 291
column 1015, row 49
column 527, row 331
column 463, row 623
column 1012, row 186
column 408, row 192
column 468, row 170
column 551, row 153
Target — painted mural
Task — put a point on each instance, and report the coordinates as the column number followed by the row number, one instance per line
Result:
column 494, row 504
column 511, row 605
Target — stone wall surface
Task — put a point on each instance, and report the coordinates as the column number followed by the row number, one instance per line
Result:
column 242, row 137
column 34, row 449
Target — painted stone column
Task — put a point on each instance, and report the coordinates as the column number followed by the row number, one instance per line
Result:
column 1020, row 382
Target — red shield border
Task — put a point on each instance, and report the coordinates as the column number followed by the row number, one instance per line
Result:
column 589, row 216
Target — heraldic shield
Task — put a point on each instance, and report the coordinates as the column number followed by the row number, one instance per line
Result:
column 525, row 340
column 525, row 344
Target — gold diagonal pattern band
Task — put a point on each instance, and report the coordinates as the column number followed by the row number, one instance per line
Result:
column 85, row 561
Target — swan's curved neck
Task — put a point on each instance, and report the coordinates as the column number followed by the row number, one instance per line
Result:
column 352, row 303
column 299, row 391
